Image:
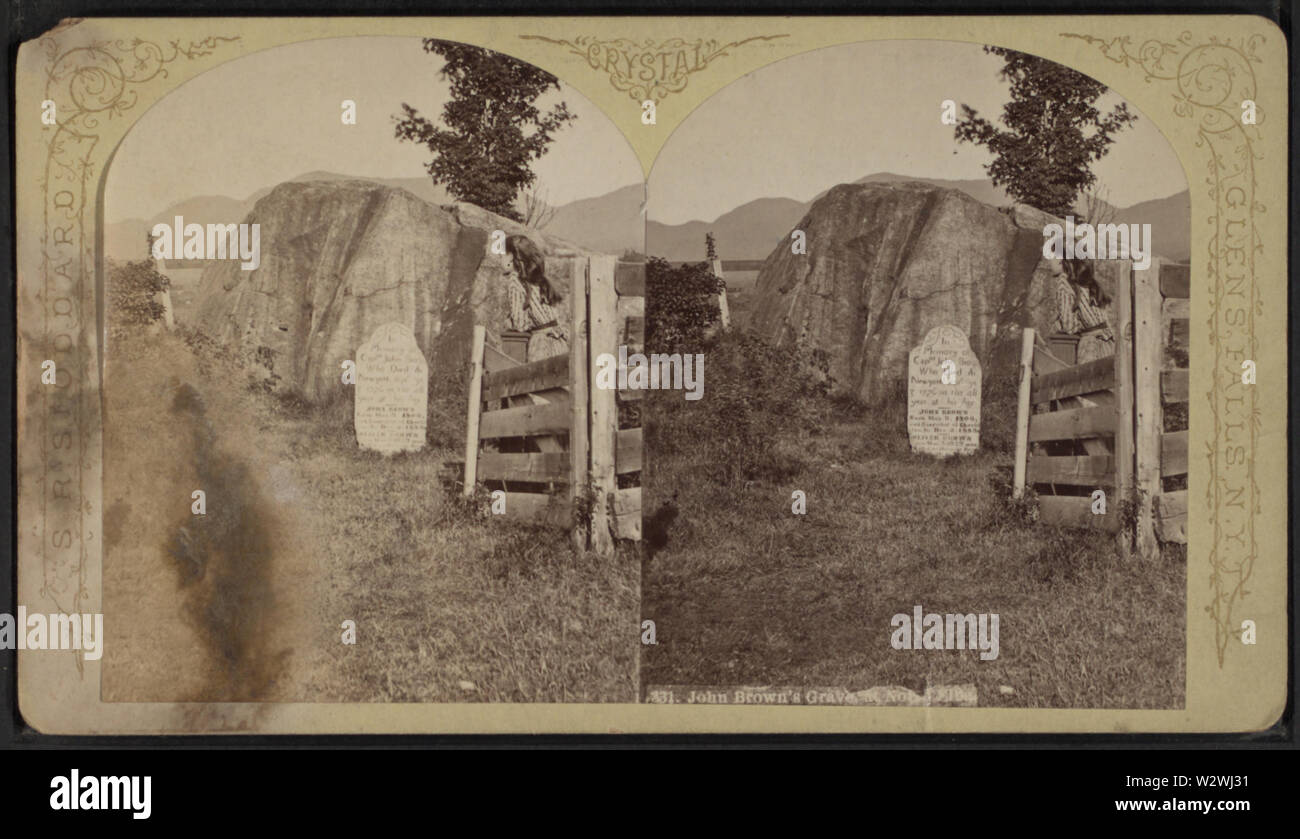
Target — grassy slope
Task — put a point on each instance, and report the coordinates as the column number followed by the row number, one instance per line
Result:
column 444, row 595
column 441, row 595
column 747, row 593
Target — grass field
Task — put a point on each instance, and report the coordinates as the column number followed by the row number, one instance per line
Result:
column 304, row 531
column 744, row 592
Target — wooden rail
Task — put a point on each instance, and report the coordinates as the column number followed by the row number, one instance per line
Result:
column 548, row 373
column 1101, row 424
column 1070, row 443
column 539, row 427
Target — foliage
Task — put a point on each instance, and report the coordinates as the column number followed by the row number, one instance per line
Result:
column 492, row 128
column 1130, row 509
column 584, row 505
column 710, row 247
column 1053, row 132
column 755, row 394
column 472, row 509
column 1009, row 511
column 132, row 293
column 681, row 305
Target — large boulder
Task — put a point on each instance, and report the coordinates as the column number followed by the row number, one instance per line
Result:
column 341, row 258
column 886, row 263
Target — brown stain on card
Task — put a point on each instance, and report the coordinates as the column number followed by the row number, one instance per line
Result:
column 199, row 608
column 223, row 561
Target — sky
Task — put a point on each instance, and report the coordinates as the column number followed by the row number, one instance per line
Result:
column 265, row 118
column 799, row 126
column 792, row 129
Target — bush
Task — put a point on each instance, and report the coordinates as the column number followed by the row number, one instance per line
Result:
column 473, row 509
column 131, row 295
column 681, row 305
column 1009, row 511
column 755, row 394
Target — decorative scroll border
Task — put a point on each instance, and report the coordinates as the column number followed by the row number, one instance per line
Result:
column 1211, row 79
column 641, row 81
column 87, row 84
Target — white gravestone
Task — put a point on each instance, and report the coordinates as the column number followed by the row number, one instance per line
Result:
column 943, row 394
column 392, row 392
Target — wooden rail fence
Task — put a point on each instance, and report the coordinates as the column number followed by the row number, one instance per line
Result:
column 629, row 331
column 542, row 433
column 1100, row 424
column 1161, row 308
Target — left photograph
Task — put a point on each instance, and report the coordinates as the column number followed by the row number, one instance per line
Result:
column 352, row 453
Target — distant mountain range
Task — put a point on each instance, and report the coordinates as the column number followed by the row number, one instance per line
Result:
column 752, row 230
column 609, row 223
column 612, row 223
column 1171, row 224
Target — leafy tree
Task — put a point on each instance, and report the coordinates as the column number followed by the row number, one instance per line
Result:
column 132, row 293
column 492, row 129
column 710, row 247
column 1053, row 132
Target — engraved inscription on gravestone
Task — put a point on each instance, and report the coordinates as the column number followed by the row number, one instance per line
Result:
column 392, row 392
column 943, row 394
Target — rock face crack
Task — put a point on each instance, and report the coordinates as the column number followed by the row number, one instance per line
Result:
column 376, row 291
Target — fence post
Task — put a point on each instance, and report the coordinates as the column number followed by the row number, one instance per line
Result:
column 1022, row 411
column 578, row 451
column 1124, row 407
column 475, row 407
column 602, row 315
column 1148, row 345
column 724, row 313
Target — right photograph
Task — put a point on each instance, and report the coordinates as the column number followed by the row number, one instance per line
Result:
column 931, row 299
